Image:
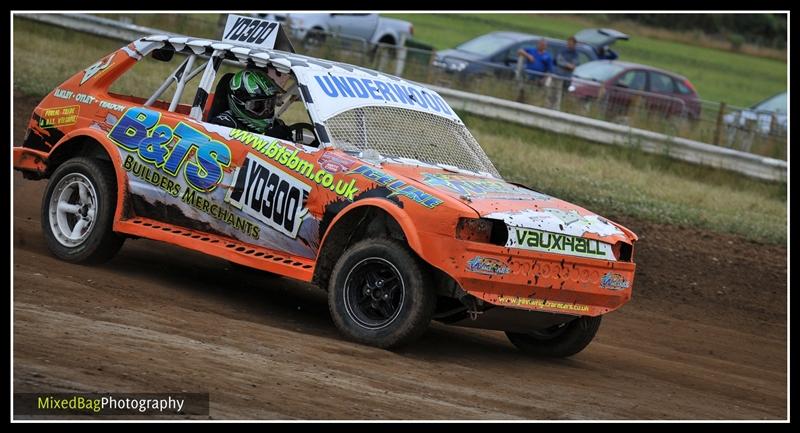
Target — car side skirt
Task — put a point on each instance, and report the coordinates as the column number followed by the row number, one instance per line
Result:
column 220, row 246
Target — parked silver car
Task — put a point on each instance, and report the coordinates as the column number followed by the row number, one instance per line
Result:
column 768, row 116
column 370, row 27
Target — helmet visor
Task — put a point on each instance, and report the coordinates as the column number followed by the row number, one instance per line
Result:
column 260, row 108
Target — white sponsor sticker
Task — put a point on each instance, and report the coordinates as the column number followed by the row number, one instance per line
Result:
column 91, row 71
column 336, row 91
column 558, row 221
column 251, row 31
column 269, row 195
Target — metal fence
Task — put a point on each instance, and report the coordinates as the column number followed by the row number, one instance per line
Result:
column 692, row 118
column 701, row 120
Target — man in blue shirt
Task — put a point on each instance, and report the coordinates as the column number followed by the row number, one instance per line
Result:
column 539, row 59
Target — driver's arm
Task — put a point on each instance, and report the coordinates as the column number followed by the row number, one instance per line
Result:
column 280, row 130
column 224, row 119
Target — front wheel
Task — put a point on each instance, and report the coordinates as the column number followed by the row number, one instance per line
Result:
column 380, row 294
column 559, row 341
column 78, row 211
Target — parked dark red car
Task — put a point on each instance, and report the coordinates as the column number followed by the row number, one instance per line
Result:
column 619, row 86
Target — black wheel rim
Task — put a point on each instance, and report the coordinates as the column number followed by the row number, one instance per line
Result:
column 374, row 293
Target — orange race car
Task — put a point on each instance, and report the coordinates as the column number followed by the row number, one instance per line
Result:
column 381, row 195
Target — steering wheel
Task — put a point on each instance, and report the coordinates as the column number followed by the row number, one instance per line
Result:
column 298, row 136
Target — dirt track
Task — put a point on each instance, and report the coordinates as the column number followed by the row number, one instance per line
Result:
column 704, row 337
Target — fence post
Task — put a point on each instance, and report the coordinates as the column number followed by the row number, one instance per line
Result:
column 720, row 123
column 382, row 52
column 559, row 93
column 400, row 63
column 519, row 76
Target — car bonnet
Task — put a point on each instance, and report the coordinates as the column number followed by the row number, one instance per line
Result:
column 516, row 205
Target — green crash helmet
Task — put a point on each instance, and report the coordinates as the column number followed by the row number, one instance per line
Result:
column 252, row 98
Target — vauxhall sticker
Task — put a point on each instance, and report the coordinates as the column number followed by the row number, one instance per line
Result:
column 268, row 194
column 538, row 240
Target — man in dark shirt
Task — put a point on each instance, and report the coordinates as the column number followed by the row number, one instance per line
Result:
column 251, row 105
column 568, row 57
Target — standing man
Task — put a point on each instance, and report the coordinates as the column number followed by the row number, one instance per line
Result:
column 568, row 57
column 538, row 60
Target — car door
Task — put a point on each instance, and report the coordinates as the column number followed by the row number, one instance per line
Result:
column 686, row 92
column 626, row 89
column 504, row 63
column 662, row 95
column 360, row 26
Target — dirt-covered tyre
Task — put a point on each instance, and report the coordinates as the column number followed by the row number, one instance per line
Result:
column 78, row 211
column 379, row 294
column 558, row 341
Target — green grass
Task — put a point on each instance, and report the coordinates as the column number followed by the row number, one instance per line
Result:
column 45, row 56
column 624, row 181
column 718, row 75
column 608, row 180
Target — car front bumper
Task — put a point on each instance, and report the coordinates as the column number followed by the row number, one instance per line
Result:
column 530, row 280
column 31, row 162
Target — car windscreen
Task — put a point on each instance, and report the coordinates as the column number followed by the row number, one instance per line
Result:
column 597, row 71
column 775, row 104
column 396, row 132
column 485, row 45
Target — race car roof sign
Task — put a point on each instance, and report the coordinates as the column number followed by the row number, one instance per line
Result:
column 336, row 92
column 256, row 33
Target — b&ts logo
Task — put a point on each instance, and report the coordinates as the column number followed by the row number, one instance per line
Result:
column 170, row 149
column 269, row 195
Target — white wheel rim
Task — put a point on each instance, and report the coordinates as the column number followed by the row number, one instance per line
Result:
column 73, row 209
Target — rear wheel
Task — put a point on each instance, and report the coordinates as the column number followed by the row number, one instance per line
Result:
column 558, row 341
column 78, row 211
column 380, row 294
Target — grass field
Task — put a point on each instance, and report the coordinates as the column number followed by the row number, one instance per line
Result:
column 607, row 180
column 718, row 75
column 615, row 181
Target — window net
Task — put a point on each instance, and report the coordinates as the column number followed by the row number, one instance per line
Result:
column 402, row 133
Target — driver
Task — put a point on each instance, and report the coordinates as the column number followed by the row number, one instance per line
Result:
column 251, row 102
